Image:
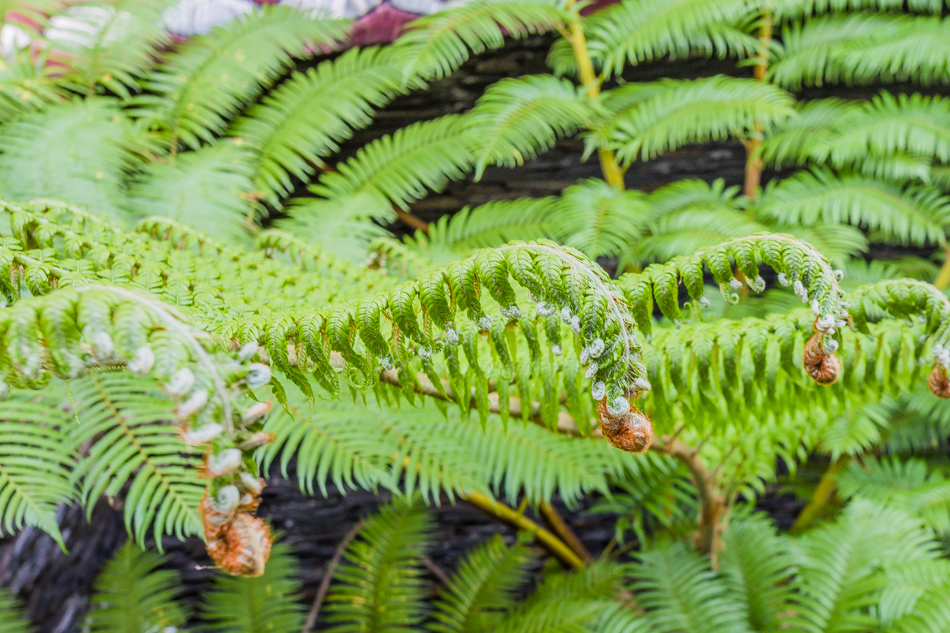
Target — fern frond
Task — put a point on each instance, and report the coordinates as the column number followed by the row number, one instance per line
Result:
column 12, row 620
column 403, row 167
column 481, row 588
column 26, row 86
column 913, row 215
column 637, row 31
column 343, row 227
column 216, row 180
column 77, row 152
column 134, row 595
column 205, row 82
column 600, row 221
column 379, row 587
column 517, row 119
column 36, row 461
column 756, row 567
column 304, row 119
column 566, row 603
column 679, row 592
column 862, row 49
column 859, row 429
column 790, row 9
column 266, row 604
column 489, row 225
column 694, row 111
column 434, row 46
column 108, row 42
column 908, row 484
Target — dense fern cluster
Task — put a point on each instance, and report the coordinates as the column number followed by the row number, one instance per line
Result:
column 174, row 323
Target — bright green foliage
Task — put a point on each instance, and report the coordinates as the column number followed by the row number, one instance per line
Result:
column 134, row 595
column 265, row 604
column 155, row 302
column 12, row 620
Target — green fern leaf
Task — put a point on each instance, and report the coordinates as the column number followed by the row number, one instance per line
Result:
column 12, row 619
column 216, row 180
column 108, row 42
column 379, row 587
column 76, row 152
column 679, row 592
column 205, row 83
column 134, row 443
column 633, row 32
column 481, row 588
column 134, row 595
column 517, row 119
column 36, row 463
column 434, row 46
column 915, row 215
column 694, row 111
column 265, row 604
column 600, row 221
column 304, row 119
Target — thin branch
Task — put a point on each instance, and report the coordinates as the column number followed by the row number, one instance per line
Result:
column 547, row 539
column 328, row 576
column 410, row 220
column 712, row 505
column 435, row 570
column 557, row 523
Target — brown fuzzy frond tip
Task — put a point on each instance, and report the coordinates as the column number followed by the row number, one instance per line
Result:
column 821, row 365
column 631, row 431
column 237, row 542
column 938, row 382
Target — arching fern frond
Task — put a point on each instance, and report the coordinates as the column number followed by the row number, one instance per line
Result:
column 481, row 588
column 517, row 119
column 403, row 167
column 134, row 595
column 304, row 119
column 379, row 586
column 909, row 484
column 862, row 49
column 679, row 592
column 599, row 220
column 108, row 42
column 205, row 82
column 215, row 179
column 637, row 31
column 266, row 604
column 790, row 9
column 37, row 457
column 435, row 45
column 913, row 215
column 76, row 152
column 694, row 111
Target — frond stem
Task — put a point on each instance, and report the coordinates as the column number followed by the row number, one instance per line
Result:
column 753, row 169
column 547, row 539
column 563, row 530
column 328, row 576
column 613, row 174
column 712, row 505
column 823, row 493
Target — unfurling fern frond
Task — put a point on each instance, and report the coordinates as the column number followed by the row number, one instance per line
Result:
column 304, row 119
column 206, row 81
column 517, row 119
column 379, row 586
column 134, row 595
column 915, row 215
column 435, row 45
column 266, row 604
column 481, row 588
column 216, row 179
column 694, row 111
